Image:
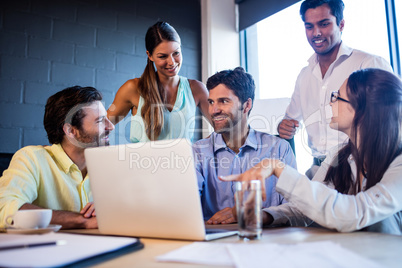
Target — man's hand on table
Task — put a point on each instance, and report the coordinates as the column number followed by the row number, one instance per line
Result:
column 224, row 216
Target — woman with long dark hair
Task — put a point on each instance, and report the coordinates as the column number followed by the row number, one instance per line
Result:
column 162, row 103
column 361, row 186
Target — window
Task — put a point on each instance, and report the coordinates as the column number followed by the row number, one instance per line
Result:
column 282, row 40
column 398, row 15
column 283, row 51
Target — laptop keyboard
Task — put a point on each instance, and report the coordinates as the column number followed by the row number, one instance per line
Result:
column 214, row 231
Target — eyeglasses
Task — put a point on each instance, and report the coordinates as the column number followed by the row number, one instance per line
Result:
column 335, row 97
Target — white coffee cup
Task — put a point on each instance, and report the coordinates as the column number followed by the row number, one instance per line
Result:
column 30, row 219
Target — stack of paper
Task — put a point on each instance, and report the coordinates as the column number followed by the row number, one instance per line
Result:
column 242, row 255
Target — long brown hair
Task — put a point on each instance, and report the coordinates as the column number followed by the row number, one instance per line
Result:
column 149, row 85
column 376, row 97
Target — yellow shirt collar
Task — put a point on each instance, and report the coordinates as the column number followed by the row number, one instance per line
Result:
column 62, row 158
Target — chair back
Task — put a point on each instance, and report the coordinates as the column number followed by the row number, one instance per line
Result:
column 267, row 114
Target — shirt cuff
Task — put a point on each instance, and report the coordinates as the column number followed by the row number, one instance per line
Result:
column 9, row 207
column 287, row 181
column 277, row 215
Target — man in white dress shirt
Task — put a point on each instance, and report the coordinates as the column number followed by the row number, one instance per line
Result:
column 328, row 68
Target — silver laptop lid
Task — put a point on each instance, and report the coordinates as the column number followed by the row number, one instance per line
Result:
column 146, row 190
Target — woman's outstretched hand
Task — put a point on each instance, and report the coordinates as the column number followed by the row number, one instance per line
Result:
column 261, row 171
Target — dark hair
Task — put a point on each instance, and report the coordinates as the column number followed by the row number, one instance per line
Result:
column 237, row 80
column 60, row 107
column 376, row 97
column 149, row 86
column 336, row 7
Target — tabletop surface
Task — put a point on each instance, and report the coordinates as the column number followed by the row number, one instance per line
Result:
column 384, row 249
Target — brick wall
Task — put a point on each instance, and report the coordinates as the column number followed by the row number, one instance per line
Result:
column 48, row 45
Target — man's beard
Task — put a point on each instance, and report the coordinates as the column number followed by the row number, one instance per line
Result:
column 231, row 122
column 87, row 141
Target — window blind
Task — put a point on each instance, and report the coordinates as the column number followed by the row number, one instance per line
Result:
column 253, row 11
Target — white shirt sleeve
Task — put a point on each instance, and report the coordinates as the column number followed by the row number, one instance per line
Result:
column 343, row 212
column 294, row 109
column 288, row 214
column 376, row 62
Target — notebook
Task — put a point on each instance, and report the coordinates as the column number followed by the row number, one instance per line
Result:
column 60, row 249
column 148, row 190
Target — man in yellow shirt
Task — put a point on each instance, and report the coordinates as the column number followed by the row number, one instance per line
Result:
column 55, row 176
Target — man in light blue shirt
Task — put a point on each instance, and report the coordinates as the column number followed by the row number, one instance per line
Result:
column 234, row 146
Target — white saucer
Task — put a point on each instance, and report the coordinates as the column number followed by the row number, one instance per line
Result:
column 50, row 228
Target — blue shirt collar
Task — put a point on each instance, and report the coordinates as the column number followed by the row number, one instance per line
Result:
column 219, row 143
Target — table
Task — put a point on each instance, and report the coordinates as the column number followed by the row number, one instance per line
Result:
column 382, row 248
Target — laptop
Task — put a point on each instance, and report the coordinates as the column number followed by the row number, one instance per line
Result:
column 148, row 190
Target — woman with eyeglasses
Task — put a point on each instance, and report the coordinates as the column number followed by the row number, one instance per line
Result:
column 360, row 187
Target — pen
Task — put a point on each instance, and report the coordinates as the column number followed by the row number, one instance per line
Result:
column 52, row 243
